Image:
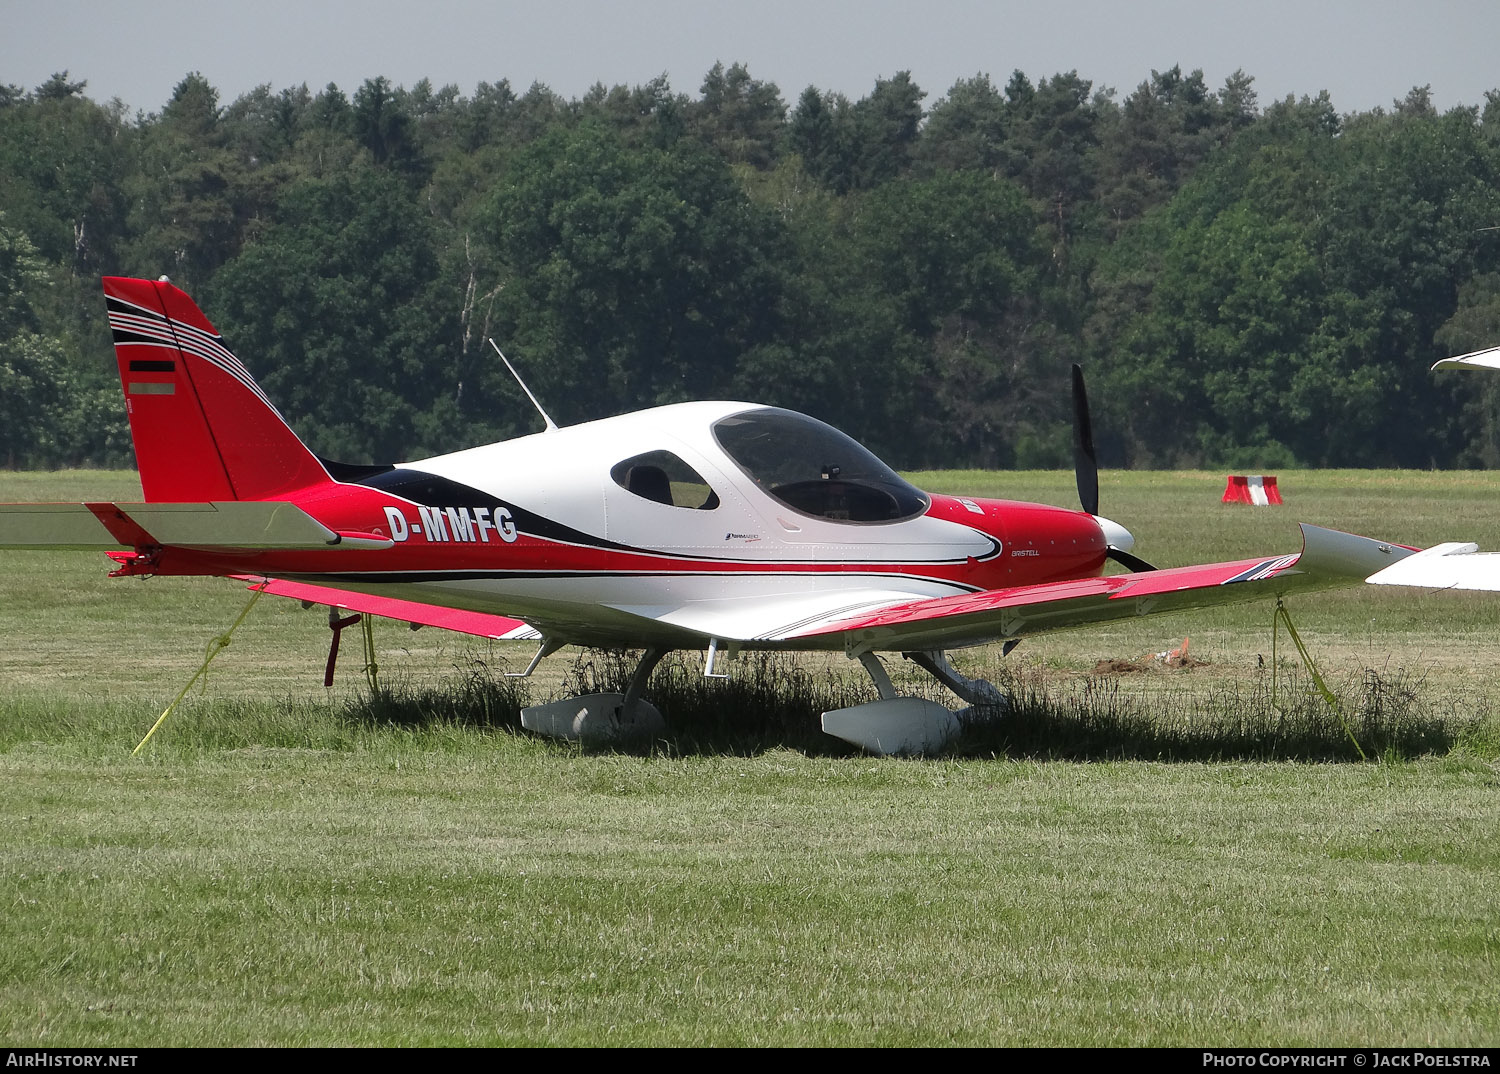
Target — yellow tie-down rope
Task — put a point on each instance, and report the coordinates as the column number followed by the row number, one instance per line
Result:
column 1280, row 616
column 212, row 650
column 372, row 668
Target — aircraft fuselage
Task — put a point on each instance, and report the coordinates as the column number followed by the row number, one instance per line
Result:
column 549, row 527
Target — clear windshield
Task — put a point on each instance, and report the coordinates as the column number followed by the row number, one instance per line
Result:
column 815, row 469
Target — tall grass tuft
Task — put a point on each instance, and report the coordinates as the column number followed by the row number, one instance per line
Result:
column 480, row 697
column 1387, row 713
column 770, row 700
column 773, row 700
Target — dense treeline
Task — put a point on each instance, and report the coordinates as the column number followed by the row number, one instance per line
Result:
column 1245, row 285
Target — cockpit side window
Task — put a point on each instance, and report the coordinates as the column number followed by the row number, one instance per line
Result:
column 815, row 469
column 664, row 478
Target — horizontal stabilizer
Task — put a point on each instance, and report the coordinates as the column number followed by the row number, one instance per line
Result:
column 58, row 527
column 221, row 524
column 230, row 524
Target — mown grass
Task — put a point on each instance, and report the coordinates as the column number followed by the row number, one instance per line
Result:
column 413, row 889
column 1165, row 857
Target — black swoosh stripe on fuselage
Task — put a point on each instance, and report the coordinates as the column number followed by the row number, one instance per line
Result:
column 430, row 490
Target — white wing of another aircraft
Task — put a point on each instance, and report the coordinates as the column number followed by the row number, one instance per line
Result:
column 1454, row 565
column 1486, row 359
column 1444, row 566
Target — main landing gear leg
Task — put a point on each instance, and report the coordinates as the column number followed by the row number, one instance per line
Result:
column 639, row 679
column 977, row 692
column 893, row 725
column 603, row 718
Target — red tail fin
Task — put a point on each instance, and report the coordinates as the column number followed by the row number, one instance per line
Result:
column 203, row 429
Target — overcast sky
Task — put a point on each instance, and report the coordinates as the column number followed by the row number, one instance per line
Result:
column 1366, row 54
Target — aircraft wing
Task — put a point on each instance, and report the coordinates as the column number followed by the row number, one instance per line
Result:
column 480, row 624
column 1328, row 559
column 1445, row 566
column 1485, row 359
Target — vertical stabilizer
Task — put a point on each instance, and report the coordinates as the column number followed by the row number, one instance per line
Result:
column 203, row 430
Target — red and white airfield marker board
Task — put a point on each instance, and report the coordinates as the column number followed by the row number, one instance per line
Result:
column 1257, row 489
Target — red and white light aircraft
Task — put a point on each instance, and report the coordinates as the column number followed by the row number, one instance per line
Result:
column 716, row 526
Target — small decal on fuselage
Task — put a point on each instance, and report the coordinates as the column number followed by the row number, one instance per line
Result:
column 1024, row 552
column 463, row 525
column 748, row 538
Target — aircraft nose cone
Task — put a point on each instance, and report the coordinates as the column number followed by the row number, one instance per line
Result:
column 1115, row 535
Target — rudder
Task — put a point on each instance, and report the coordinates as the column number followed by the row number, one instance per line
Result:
column 202, row 428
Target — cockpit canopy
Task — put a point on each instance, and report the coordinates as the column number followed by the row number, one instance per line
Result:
column 814, row 469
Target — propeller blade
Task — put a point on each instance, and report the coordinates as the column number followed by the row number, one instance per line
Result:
column 1085, row 462
column 1134, row 564
column 1086, row 467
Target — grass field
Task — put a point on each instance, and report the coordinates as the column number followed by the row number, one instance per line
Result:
column 1162, row 857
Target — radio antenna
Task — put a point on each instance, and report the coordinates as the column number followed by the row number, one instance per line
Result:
column 551, row 425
